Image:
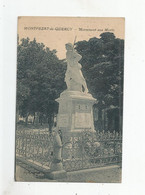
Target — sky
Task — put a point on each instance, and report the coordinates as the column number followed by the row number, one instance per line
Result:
column 55, row 32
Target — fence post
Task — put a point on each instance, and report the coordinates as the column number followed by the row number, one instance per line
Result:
column 56, row 167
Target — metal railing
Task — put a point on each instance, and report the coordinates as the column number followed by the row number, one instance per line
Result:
column 82, row 150
column 35, row 146
column 89, row 150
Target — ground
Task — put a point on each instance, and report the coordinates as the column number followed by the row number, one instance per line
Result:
column 110, row 174
column 23, row 126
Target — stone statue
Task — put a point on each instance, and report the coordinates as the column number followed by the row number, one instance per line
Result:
column 74, row 77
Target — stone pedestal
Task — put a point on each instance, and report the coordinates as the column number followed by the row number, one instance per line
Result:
column 75, row 112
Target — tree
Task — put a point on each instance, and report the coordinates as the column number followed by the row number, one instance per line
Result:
column 40, row 80
column 102, row 66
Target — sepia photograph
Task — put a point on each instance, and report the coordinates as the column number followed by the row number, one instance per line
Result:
column 69, row 99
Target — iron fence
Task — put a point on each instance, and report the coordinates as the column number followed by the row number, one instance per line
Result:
column 35, row 146
column 82, row 150
column 89, row 150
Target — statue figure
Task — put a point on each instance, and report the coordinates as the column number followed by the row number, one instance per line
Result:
column 73, row 76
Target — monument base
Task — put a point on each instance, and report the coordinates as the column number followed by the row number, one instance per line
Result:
column 75, row 112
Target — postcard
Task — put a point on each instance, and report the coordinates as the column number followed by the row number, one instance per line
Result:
column 69, row 106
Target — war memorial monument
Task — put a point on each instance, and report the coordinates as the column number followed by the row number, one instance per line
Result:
column 75, row 104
